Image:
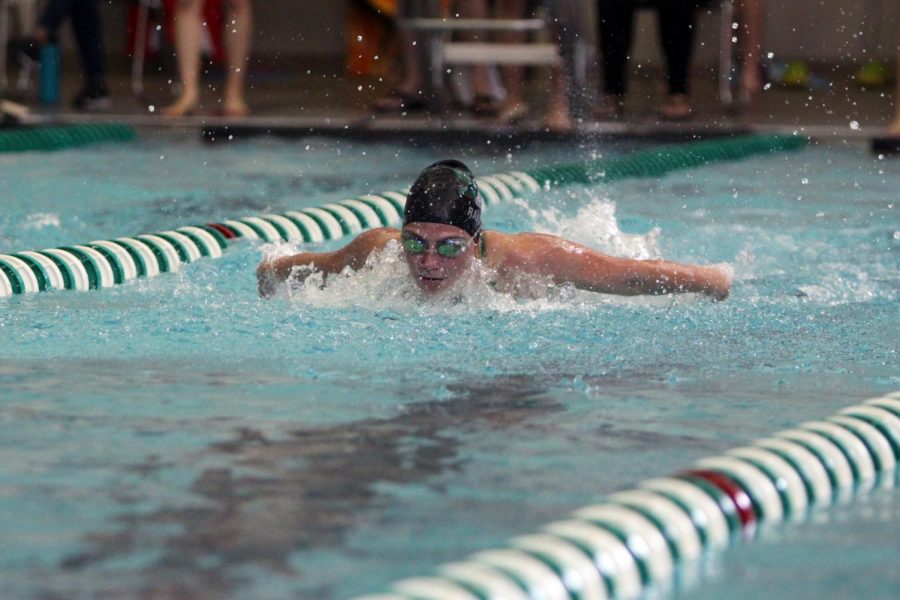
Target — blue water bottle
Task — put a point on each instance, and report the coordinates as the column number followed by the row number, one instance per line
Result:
column 49, row 93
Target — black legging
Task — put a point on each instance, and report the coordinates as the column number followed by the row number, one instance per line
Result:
column 85, row 26
column 676, row 27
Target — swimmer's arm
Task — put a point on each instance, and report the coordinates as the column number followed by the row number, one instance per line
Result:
column 273, row 271
column 589, row 269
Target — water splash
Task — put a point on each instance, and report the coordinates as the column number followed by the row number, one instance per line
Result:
column 845, row 285
column 823, row 273
column 594, row 225
column 41, row 221
column 384, row 283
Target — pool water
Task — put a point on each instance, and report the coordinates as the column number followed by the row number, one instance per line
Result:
column 179, row 437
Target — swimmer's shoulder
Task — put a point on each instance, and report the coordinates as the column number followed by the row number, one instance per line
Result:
column 504, row 248
column 357, row 251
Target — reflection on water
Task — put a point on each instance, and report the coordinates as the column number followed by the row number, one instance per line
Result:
column 272, row 498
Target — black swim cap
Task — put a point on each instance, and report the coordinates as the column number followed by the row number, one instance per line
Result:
column 445, row 192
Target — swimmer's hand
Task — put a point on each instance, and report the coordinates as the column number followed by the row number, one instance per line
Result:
column 266, row 279
column 665, row 277
column 718, row 282
column 297, row 267
column 273, row 271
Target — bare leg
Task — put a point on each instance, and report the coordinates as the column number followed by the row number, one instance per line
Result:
column 558, row 118
column 676, row 28
column 238, row 35
column 514, row 107
column 188, row 35
column 477, row 9
column 409, row 92
column 894, row 129
column 565, row 24
column 752, row 14
column 412, row 83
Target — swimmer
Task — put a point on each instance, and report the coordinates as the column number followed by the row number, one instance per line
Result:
column 442, row 239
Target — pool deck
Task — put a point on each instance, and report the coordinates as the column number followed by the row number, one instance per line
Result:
column 317, row 99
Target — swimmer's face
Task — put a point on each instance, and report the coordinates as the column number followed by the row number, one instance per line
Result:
column 437, row 254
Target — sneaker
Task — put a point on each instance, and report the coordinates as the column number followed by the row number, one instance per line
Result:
column 93, row 98
column 26, row 49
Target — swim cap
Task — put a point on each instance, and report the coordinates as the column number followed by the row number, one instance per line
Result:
column 445, row 192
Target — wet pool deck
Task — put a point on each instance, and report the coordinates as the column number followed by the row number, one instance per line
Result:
column 317, row 99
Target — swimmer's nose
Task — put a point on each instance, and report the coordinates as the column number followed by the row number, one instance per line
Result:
column 431, row 260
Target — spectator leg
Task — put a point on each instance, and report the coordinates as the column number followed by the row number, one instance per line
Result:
column 88, row 35
column 238, row 37
column 614, row 20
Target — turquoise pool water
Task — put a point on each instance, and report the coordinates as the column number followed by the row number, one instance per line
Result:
column 179, row 437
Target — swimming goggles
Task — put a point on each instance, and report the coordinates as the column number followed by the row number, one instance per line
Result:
column 448, row 248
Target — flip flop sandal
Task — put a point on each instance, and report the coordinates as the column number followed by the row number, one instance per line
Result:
column 398, row 101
